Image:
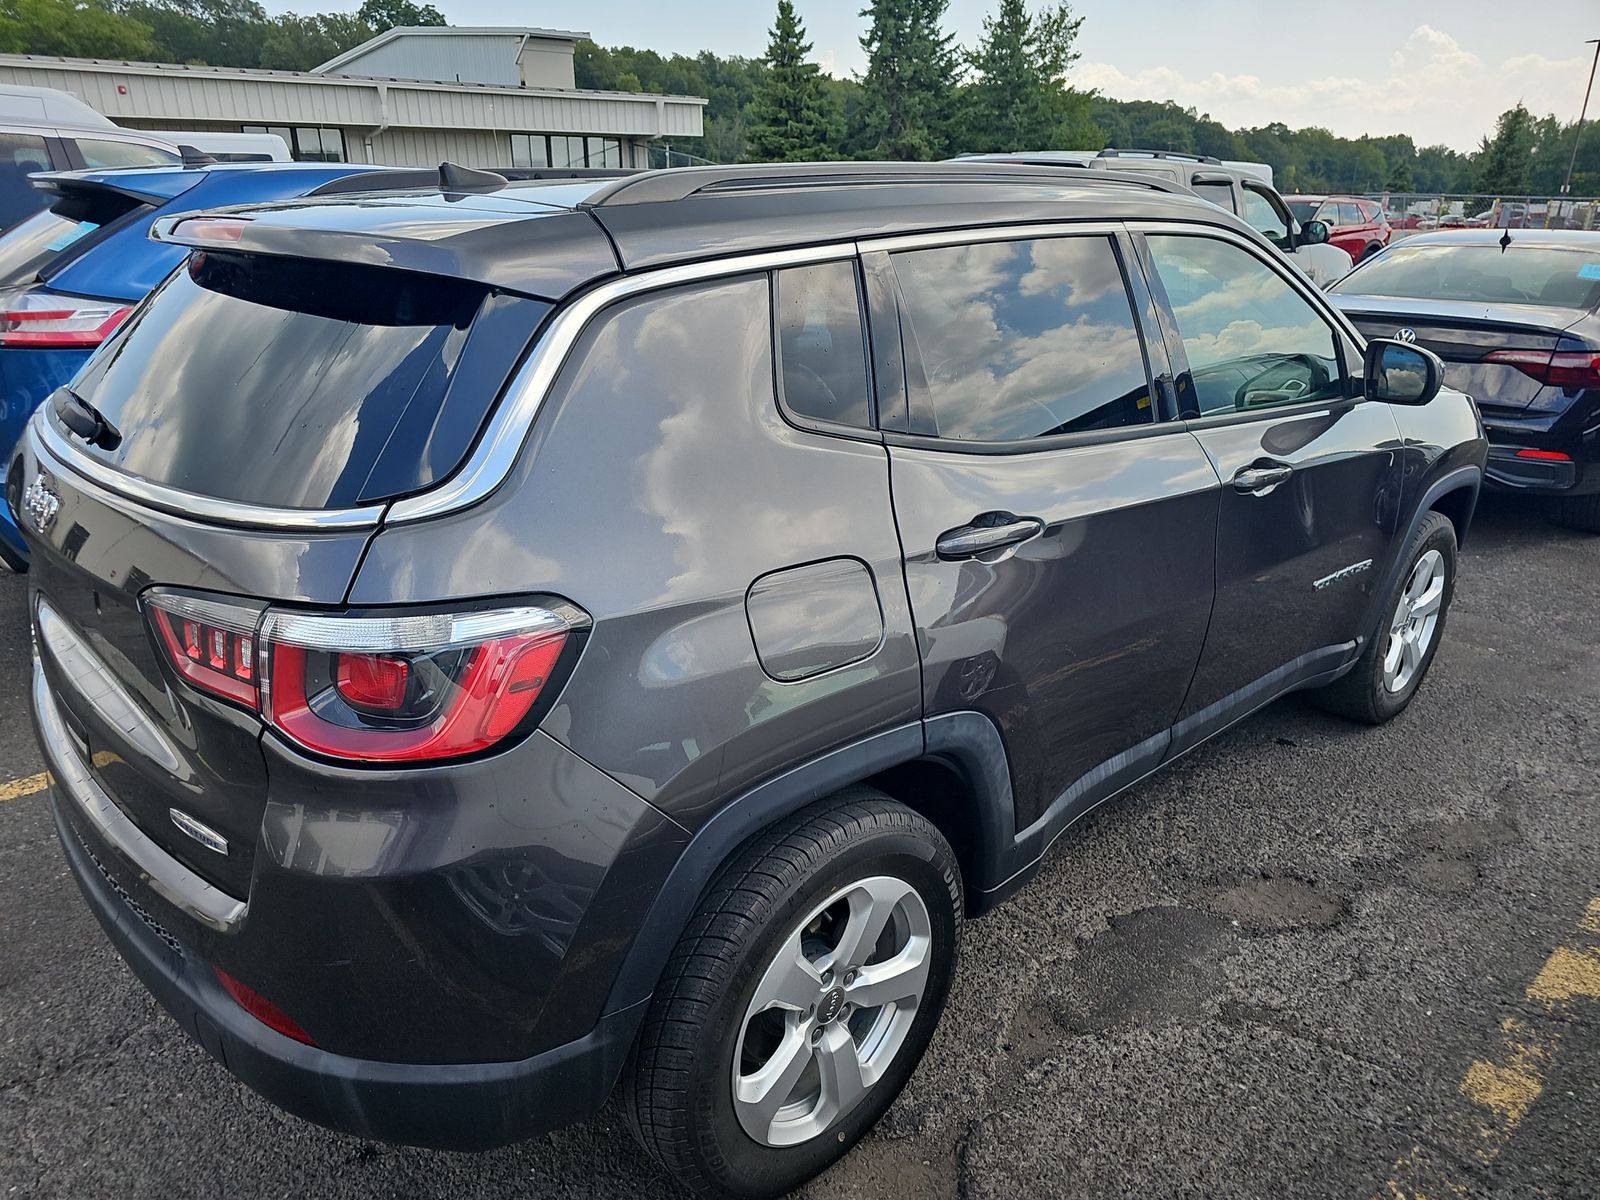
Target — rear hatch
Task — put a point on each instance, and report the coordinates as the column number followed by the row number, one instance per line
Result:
column 1464, row 334
column 256, row 416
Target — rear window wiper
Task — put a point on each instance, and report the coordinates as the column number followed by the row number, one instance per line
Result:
column 85, row 420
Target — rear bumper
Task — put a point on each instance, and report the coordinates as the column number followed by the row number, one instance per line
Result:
column 1562, row 445
column 458, row 1106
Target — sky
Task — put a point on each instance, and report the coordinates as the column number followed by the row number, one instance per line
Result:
column 1439, row 72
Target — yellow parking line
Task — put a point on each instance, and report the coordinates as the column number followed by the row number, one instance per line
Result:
column 32, row 785
column 1504, row 1085
column 18, row 788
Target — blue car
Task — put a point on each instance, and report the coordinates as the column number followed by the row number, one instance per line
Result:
column 70, row 275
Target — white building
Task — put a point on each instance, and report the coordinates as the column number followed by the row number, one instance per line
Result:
column 481, row 97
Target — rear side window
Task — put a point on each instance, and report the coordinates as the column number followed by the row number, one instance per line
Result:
column 1220, row 194
column 108, row 152
column 21, row 154
column 822, row 352
column 1024, row 339
column 304, row 384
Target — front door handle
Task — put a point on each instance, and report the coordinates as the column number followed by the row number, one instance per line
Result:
column 1258, row 481
column 986, row 533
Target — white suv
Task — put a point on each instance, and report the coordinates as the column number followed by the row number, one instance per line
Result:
column 1241, row 190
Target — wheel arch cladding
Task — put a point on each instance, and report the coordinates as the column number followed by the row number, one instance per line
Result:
column 953, row 779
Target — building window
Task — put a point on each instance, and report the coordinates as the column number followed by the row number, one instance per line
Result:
column 564, row 150
column 307, row 143
column 530, row 150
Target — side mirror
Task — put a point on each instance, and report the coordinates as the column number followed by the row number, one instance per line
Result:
column 1314, row 233
column 1400, row 373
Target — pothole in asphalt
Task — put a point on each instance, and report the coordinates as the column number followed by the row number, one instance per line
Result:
column 1155, row 964
column 1277, row 904
column 1448, row 855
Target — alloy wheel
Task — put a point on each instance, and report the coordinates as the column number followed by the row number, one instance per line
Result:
column 1415, row 620
column 831, row 1010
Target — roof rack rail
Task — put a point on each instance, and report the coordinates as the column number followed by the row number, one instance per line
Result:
column 407, row 178
column 679, row 183
column 1112, row 152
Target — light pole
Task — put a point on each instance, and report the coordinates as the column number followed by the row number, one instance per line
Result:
column 1577, row 133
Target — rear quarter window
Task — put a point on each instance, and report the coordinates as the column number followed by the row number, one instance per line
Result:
column 301, row 384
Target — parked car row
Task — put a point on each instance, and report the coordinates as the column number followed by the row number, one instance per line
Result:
column 497, row 640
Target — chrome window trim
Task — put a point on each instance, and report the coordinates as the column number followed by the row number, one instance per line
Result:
column 496, row 452
column 992, row 233
column 205, row 510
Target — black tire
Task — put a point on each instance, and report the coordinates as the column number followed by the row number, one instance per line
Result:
column 1369, row 252
column 1362, row 694
column 678, row 1089
column 1579, row 512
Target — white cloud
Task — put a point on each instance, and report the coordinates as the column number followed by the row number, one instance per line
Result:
column 1432, row 88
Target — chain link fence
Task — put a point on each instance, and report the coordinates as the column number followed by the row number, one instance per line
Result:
column 1411, row 212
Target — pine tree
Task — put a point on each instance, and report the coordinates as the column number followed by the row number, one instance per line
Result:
column 1019, row 98
column 1505, row 161
column 793, row 116
column 909, row 88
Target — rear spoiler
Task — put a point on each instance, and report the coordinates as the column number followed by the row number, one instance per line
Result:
column 147, row 187
column 452, row 178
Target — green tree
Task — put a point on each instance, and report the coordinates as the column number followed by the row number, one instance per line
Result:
column 391, row 14
column 295, row 43
column 73, row 28
column 1505, row 161
column 1019, row 98
column 908, row 94
column 216, row 32
column 793, row 117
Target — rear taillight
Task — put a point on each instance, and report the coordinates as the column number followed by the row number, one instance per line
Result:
column 1569, row 369
column 406, row 688
column 46, row 320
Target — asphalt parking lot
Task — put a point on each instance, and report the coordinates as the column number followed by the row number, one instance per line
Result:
column 1310, row 960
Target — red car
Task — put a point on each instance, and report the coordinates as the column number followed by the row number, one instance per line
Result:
column 1356, row 226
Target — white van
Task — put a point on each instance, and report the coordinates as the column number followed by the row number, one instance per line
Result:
column 232, row 147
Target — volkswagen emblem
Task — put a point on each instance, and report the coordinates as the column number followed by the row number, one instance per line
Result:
column 41, row 504
column 1405, row 335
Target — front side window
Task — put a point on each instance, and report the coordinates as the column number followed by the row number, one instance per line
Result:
column 107, row 152
column 822, row 352
column 1251, row 339
column 1024, row 339
column 1263, row 216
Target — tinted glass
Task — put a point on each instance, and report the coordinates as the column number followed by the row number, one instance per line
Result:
column 104, row 152
column 822, row 352
column 1304, row 210
column 1024, row 339
column 282, row 382
column 1220, row 194
column 1521, row 275
column 1263, row 217
column 1251, row 339
column 33, row 243
column 1350, row 214
column 20, row 155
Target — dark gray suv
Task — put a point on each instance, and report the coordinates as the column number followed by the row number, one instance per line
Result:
column 494, row 641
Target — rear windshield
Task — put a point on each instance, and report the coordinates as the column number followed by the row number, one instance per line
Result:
column 32, row 244
column 1516, row 275
column 304, row 384
column 1303, row 210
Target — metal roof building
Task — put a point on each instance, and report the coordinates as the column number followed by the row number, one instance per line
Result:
column 416, row 97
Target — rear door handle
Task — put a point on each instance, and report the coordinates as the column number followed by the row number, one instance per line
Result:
column 987, row 532
column 1258, row 481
